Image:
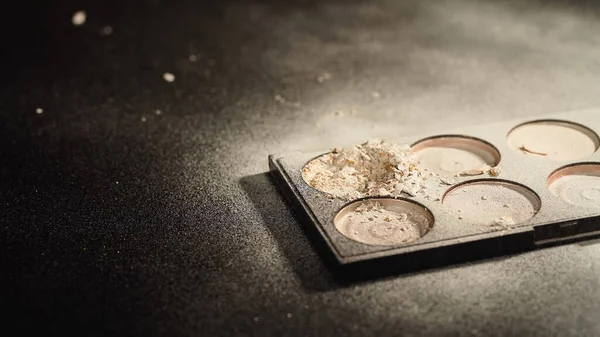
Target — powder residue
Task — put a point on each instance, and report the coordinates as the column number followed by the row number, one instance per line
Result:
column 372, row 224
column 578, row 189
column 374, row 168
column 79, row 18
column 484, row 204
column 169, row 77
column 106, row 31
column 503, row 222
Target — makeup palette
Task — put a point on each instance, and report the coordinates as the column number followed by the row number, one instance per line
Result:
column 485, row 190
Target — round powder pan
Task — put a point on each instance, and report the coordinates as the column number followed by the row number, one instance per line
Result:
column 452, row 154
column 384, row 221
column 305, row 168
column 555, row 140
column 577, row 184
column 492, row 202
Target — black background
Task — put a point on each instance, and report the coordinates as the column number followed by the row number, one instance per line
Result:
column 170, row 226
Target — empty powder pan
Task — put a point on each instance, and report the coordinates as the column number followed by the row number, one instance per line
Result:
column 577, row 184
column 553, row 140
column 383, row 221
column 492, row 202
column 452, row 154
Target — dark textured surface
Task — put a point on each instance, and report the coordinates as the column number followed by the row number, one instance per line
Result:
column 111, row 225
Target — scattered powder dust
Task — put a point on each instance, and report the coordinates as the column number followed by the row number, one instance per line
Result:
column 279, row 99
column 324, row 77
column 106, row 31
column 143, row 119
column 484, row 203
column 372, row 224
column 79, row 18
column 374, row 168
column 192, row 58
column 39, row 111
column 169, row 77
column 158, row 112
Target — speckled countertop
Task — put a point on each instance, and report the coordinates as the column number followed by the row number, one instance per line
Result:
column 118, row 221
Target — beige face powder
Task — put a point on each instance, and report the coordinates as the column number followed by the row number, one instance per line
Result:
column 492, row 203
column 554, row 140
column 451, row 155
column 577, row 185
column 373, row 168
column 381, row 221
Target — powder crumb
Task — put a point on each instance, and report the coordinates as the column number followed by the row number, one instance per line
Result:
column 289, row 315
column 39, row 111
column 375, row 94
column 446, row 181
column 494, row 171
column 366, row 169
column 484, row 198
column 484, row 169
column 460, row 217
column 143, row 119
column 169, row 77
column 106, row 31
column 79, row 18
column 280, row 99
column 158, row 112
column 503, row 221
column 192, row 58
column 324, row 77
column 507, row 206
column 256, row 319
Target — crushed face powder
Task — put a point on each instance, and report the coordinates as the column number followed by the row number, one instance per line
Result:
column 374, row 168
column 503, row 222
column 372, row 224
